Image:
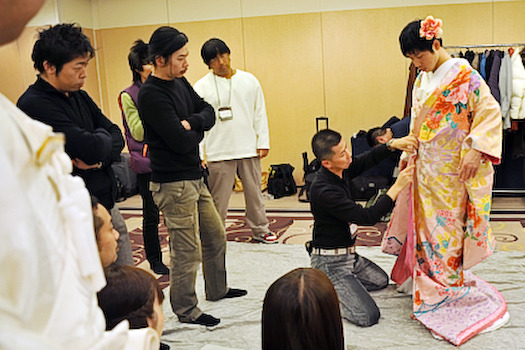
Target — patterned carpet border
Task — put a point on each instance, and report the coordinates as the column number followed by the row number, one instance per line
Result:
column 296, row 228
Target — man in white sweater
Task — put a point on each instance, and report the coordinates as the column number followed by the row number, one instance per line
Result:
column 240, row 137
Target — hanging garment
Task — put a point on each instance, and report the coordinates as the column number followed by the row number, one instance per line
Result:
column 440, row 226
column 493, row 78
column 505, row 89
column 475, row 62
column 482, row 63
column 488, row 63
column 517, row 102
column 469, row 56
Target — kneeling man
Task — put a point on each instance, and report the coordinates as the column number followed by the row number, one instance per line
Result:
column 336, row 217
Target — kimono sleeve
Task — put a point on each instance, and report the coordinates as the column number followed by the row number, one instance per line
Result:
column 485, row 133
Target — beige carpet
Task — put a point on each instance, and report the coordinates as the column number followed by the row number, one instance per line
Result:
column 255, row 266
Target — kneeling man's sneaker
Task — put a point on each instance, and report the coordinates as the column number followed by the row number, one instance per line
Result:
column 269, row 238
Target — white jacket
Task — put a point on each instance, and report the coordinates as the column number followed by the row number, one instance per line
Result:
column 517, row 102
column 247, row 131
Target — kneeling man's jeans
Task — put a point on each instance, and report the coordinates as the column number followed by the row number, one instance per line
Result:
column 353, row 276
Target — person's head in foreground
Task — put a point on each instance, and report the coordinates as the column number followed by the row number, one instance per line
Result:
column 301, row 312
column 131, row 294
column 61, row 55
column 421, row 42
column 168, row 51
column 105, row 234
column 14, row 16
column 331, row 149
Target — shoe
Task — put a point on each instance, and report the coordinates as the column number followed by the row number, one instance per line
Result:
column 235, row 293
column 206, row 320
column 498, row 324
column 268, row 238
column 159, row 268
column 406, row 287
column 436, row 336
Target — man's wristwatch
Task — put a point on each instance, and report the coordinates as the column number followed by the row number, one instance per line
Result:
column 389, row 144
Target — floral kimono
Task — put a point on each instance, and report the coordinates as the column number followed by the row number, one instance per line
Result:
column 440, row 226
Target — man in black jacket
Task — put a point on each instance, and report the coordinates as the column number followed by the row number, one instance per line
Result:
column 61, row 55
column 174, row 119
column 333, row 249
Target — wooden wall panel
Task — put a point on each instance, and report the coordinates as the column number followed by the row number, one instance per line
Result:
column 509, row 22
column 91, row 84
column 11, row 84
column 228, row 30
column 458, row 28
column 365, row 71
column 112, row 50
column 25, row 44
column 284, row 53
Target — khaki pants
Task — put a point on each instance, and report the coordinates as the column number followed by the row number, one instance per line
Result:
column 221, row 180
column 196, row 234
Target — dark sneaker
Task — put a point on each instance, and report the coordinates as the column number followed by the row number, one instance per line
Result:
column 268, row 238
column 159, row 268
column 206, row 320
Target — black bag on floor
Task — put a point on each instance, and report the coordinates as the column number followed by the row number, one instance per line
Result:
column 280, row 181
column 125, row 177
column 310, row 170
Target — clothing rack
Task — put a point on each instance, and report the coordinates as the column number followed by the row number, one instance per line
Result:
column 482, row 46
column 500, row 191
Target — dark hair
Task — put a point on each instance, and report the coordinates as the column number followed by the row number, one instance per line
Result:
column 301, row 312
column 373, row 134
column 411, row 42
column 323, row 142
column 138, row 56
column 59, row 45
column 128, row 295
column 164, row 42
column 212, row 48
column 97, row 221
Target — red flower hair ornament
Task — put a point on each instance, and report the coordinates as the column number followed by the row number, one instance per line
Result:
column 431, row 28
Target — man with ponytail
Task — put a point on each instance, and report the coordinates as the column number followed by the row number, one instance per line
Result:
column 174, row 119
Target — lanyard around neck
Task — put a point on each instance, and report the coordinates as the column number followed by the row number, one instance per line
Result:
column 217, row 90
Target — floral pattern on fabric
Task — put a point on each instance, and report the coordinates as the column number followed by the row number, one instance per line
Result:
column 451, row 219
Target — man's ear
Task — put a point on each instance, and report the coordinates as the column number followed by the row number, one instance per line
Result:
column 382, row 139
column 49, row 68
column 326, row 163
column 160, row 61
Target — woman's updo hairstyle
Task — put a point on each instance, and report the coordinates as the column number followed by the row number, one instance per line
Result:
column 419, row 35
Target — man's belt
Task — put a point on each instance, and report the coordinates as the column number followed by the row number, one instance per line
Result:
column 335, row 251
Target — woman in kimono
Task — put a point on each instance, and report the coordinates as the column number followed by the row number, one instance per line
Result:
column 440, row 224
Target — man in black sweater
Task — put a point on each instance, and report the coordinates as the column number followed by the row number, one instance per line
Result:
column 333, row 249
column 174, row 119
column 61, row 55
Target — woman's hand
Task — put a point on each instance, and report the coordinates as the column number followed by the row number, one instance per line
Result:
column 469, row 165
